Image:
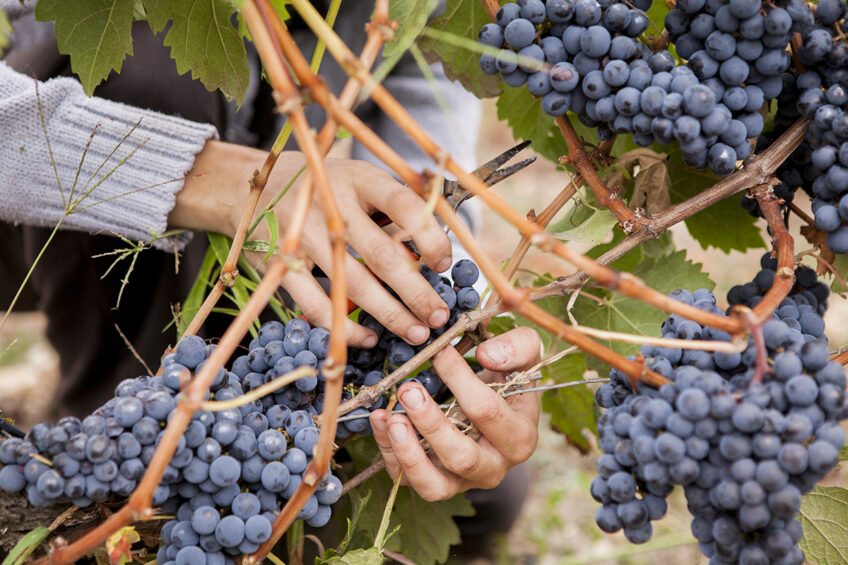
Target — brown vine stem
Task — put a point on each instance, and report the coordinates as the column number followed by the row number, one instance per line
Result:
column 605, row 196
column 758, row 170
column 512, row 296
column 491, row 7
column 784, row 278
column 542, row 220
column 259, row 17
column 626, row 284
column 842, row 358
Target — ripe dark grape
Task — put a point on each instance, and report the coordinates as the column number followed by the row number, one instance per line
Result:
column 744, row 451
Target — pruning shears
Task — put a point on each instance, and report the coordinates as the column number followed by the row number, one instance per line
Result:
column 490, row 172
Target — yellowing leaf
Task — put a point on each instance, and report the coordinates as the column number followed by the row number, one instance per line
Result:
column 119, row 545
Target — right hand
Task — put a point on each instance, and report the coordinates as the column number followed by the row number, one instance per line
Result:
column 212, row 200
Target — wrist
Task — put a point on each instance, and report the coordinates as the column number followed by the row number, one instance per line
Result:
column 215, row 190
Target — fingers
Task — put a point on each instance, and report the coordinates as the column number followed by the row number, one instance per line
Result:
column 409, row 211
column 390, row 261
column 401, row 450
column 457, row 452
column 316, row 305
column 512, row 351
column 511, row 427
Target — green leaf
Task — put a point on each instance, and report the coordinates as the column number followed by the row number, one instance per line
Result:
column 615, row 312
column 26, row 545
column 271, row 219
column 463, row 18
column 524, row 115
column 411, row 17
column 427, row 529
column 370, row 556
column 724, row 225
column 5, row 29
column 203, row 41
column 840, row 264
column 572, row 409
column 97, row 34
column 197, row 294
column 502, row 324
column 822, row 515
column 594, row 230
column 843, row 453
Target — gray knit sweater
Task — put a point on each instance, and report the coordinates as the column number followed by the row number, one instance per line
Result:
column 133, row 195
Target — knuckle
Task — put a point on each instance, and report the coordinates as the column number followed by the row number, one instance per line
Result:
column 464, row 464
column 522, row 450
column 435, row 493
column 383, row 256
column 423, row 298
column 486, row 411
column 394, row 318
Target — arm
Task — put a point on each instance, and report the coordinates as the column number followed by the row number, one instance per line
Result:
column 133, row 200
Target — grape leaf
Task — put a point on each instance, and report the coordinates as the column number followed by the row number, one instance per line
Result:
column 822, row 515
column 843, row 453
column 594, row 229
column 615, row 312
column 411, row 17
column 462, row 18
column 204, row 41
column 524, row 115
column 370, row 556
column 572, row 409
column 724, row 225
column 97, row 34
column 427, row 528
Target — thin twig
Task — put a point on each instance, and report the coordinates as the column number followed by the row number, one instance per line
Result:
column 132, row 350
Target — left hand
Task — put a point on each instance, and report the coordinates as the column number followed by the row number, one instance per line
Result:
column 509, row 426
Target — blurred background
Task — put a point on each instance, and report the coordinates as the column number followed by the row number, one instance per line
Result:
column 557, row 522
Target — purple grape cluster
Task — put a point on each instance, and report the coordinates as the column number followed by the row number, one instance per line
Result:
column 232, row 471
column 744, row 451
column 584, row 56
column 235, row 468
column 819, row 92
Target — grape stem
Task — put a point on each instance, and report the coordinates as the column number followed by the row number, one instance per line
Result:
column 579, row 159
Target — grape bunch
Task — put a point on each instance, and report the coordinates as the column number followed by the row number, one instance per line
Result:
column 231, row 473
column 819, row 91
column 233, row 469
column 744, row 451
column 584, row 56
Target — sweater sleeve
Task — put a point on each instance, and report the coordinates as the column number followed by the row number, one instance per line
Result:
column 118, row 167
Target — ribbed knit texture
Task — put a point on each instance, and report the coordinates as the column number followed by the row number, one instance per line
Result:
column 132, row 199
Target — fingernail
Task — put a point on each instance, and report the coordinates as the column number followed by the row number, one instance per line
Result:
column 497, row 353
column 411, row 398
column 417, row 334
column 398, row 432
column 438, row 318
column 443, row 265
column 369, row 341
column 378, row 423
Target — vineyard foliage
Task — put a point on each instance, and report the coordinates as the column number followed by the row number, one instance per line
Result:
column 203, row 41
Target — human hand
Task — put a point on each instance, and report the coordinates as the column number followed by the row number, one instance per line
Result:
column 213, row 200
column 509, row 426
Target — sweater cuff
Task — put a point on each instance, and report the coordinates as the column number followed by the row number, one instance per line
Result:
column 133, row 167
